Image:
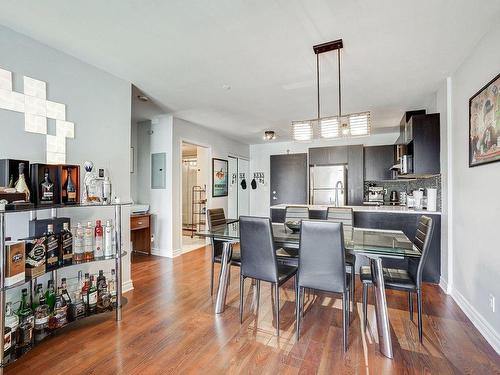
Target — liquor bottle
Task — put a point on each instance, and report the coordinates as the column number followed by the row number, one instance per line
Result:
column 21, row 186
column 39, row 298
column 11, row 181
column 88, row 241
column 106, row 190
column 85, row 289
column 76, row 309
column 52, row 254
column 78, row 244
column 103, row 296
column 108, row 239
column 46, row 189
column 69, row 190
column 26, row 323
column 59, row 317
column 65, row 246
column 42, row 316
column 112, row 289
column 81, row 282
column 64, row 291
column 92, row 297
column 50, row 295
column 99, row 243
column 11, row 322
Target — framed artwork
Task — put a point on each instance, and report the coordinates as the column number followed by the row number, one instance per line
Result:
column 219, row 177
column 484, row 124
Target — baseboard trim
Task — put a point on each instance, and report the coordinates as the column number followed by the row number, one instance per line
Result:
column 478, row 320
column 176, row 253
column 444, row 285
column 127, row 286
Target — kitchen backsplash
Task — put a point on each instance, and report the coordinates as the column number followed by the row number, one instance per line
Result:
column 408, row 186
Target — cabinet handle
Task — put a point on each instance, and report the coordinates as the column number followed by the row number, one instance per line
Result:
column 139, row 222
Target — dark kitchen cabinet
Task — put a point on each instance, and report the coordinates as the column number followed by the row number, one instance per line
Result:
column 378, row 162
column 355, row 175
column 424, row 145
column 404, row 131
column 288, row 179
column 328, row 155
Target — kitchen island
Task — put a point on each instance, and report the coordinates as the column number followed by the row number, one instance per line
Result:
column 385, row 217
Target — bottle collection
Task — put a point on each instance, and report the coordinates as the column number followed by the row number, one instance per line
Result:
column 41, row 313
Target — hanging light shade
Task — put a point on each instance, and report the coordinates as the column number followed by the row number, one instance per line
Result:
column 302, row 130
column 340, row 126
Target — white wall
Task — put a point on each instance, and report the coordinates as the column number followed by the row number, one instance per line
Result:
column 99, row 105
column 141, row 177
column 260, row 162
column 475, row 203
column 219, row 147
column 161, row 199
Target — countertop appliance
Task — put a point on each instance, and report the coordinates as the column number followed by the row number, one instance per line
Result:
column 327, row 185
column 406, row 164
column 394, row 200
column 375, row 195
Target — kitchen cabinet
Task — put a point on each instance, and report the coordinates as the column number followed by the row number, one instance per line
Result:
column 355, row 175
column 288, row 175
column 377, row 162
column 328, row 155
column 404, row 130
column 424, row 145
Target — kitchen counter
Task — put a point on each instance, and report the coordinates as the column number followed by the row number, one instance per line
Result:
column 367, row 208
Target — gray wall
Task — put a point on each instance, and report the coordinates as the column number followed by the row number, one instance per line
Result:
column 140, row 179
column 475, row 203
column 97, row 102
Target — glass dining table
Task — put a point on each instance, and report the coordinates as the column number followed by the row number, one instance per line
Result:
column 373, row 243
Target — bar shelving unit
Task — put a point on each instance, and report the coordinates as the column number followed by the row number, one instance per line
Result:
column 198, row 208
column 117, row 257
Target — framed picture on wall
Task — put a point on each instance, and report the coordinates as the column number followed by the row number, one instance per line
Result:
column 484, row 124
column 219, row 177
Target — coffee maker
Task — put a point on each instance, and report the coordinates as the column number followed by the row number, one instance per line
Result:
column 375, row 195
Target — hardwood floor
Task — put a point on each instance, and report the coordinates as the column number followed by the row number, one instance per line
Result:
column 169, row 327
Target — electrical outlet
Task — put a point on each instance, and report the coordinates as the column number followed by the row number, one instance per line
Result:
column 492, row 302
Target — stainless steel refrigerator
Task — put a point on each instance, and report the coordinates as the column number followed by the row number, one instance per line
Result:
column 327, row 185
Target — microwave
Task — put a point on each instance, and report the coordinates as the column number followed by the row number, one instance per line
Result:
column 406, row 164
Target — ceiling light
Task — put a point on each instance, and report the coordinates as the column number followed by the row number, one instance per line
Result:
column 302, row 130
column 269, row 135
column 350, row 125
column 226, row 87
column 143, row 98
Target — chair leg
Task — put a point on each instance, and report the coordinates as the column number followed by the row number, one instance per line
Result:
column 229, row 275
column 345, row 317
column 410, row 304
column 242, row 282
column 302, row 302
column 348, row 300
column 257, row 285
column 277, row 307
column 212, row 280
column 353, row 289
column 365, row 305
column 419, row 311
column 297, row 308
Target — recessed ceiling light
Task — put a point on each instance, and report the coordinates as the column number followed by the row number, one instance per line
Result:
column 143, row 98
column 226, row 87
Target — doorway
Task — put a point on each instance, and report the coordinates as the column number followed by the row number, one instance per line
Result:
column 194, row 179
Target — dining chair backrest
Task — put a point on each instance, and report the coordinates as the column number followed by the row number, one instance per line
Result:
column 343, row 215
column 423, row 237
column 258, row 256
column 322, row 256
column 216, row 217
column 296, row 213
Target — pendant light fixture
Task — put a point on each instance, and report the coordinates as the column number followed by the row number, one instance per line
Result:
column 340, row 126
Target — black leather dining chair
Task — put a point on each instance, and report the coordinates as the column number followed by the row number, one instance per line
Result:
column 216, row 217
column 406, row 280
column 258, row 259
column 345, row 215
column 293, row 213
column 322, row 266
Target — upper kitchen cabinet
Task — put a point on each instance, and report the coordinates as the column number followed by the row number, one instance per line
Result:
column 328, row 155
column 424, row 144
column 355, row 175
column 378, row 162
column 405, row 135
column 288, row 179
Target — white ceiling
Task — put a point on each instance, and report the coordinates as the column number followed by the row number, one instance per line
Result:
column 182, row 52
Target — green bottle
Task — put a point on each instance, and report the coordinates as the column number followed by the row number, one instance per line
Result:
column 50, row 295
column 25, row 312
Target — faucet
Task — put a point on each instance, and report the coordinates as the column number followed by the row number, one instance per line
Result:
column 337, row 192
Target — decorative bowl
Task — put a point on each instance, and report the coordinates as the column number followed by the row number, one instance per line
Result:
column 293, row 225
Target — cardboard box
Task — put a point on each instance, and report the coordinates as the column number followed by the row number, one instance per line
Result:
column 14, row 262
column 36, row 249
